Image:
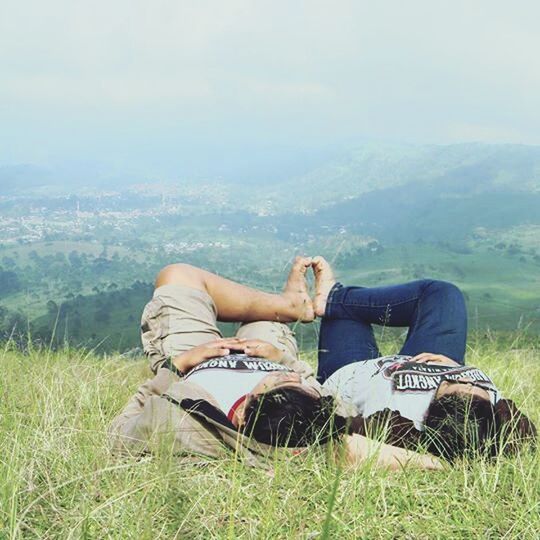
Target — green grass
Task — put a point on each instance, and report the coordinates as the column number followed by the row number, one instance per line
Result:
column 58, row 480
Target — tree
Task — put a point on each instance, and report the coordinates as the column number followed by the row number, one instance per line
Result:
column 52, row 307
column 9, row 283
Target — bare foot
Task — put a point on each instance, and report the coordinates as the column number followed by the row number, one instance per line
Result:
column 296, row 290
column 324, row 281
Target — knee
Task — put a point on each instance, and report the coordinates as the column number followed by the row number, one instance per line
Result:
column 276, row 333
column 180, row 274
column 444, row 289
column 265, row 330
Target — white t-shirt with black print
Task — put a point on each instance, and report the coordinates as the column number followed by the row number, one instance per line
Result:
column 230, row 377
column 396, row 383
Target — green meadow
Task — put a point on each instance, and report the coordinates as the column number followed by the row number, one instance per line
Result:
column 58, row 479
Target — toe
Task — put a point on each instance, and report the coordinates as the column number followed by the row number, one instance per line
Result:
column 319, row 263
column 301, row 265
column 302, row 261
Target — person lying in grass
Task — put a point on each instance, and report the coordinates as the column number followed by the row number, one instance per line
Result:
column 427, row 398
column 248, row 394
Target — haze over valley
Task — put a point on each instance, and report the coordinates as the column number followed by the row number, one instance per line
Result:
column 78, row 257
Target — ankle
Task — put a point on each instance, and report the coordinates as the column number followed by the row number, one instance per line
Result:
column 297, row 307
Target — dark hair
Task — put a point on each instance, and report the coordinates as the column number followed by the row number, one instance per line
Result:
column 389, row 426
column 289, row 417
column 458, row 426
column 453, row 428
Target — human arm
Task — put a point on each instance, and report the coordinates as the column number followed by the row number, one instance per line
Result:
column 359, row 449
column 263, row 349
column 254, row 347
column 187, row 360
column 432, row 358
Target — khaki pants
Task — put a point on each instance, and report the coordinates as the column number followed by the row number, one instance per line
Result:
column 179, row 318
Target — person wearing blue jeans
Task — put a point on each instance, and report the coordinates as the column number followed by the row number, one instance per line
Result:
column 434, row 312
column 425, row 393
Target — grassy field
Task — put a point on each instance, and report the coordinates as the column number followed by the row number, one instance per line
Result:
column 58, row 480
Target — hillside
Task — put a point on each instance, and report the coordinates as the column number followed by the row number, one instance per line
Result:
column 374, row 167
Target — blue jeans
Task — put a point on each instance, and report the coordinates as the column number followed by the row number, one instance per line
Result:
column 434, row 312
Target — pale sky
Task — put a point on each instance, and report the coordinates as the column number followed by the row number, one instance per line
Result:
column 208, row 87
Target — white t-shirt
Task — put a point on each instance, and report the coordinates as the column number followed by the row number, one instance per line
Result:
column 396, row 383
column 228, row 378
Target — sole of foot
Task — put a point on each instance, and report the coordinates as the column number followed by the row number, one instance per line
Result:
column 296, row 290
column 324, row 281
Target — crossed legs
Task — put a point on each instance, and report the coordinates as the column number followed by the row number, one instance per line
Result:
column 188, row 301
column 238, row 303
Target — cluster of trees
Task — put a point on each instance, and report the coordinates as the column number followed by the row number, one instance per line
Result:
column 350, row 257
column 90, row 319
column 66, row 275
column 9, row 282
column 515, row 249
column 11, row 323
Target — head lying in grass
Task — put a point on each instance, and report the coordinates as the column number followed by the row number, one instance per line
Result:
column 290, row 417
column 456, row 426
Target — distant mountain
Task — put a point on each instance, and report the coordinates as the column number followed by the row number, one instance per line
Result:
column 374, row 167
column 400, row 193
column 390, row 170
column 410, row 213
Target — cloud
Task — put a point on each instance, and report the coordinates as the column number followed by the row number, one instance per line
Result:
column 261, row 72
